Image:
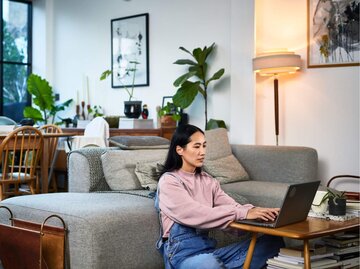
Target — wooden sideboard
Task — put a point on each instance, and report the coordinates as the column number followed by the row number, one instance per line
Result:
column 163, row 132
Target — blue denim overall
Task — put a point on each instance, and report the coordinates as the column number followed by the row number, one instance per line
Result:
column 190, row 248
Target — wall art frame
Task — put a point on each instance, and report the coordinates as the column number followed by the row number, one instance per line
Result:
column 333, row 33
column 129, row 51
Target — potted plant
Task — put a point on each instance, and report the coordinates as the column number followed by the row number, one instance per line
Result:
column 195, row 81
column 132, row 109
column 336, row 201
column 44, row 98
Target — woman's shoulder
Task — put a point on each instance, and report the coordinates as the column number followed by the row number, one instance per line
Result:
column 170, row 177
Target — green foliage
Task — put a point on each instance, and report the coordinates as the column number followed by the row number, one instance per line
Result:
column 129, row 70
column 213, row 124
column 96, row 111
column 171, row 109
column 44, row 98
column 333, row 194
column 195, row 80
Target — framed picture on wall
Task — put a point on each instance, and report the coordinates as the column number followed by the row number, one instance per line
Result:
column 130, row 51
column 333, row 33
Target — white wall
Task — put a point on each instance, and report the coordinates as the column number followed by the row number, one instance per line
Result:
column 319, row 107
column 80, row 46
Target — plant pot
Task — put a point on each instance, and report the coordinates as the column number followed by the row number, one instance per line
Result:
column 132, row 109
column 337, row 206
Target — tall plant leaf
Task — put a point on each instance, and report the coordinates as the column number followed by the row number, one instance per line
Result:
column 216, row 76
column 186, row 94
column 180, row 80
column 183, row 49
column 33, row 113
column 185, row 61
column 41, row 91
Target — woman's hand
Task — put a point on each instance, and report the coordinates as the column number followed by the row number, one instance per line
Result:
column 263, row 213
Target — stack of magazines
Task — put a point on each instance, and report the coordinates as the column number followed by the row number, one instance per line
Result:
column 345, row 247
column 293, row 258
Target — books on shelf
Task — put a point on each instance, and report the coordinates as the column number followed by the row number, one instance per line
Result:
column 342, row 240
column 298, row 251
column 318, row 264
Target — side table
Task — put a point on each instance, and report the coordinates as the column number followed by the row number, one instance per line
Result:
column 308, row 229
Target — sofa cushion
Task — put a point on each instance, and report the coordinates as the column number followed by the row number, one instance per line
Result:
column 148, row 174
column 119, row 166
column 140, row 142
column 220, row 162
column 225, row 170
column 218, row 145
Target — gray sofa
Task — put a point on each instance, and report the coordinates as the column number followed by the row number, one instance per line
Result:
column 118, row 229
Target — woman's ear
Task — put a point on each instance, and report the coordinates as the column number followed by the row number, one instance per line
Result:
column 179, row 150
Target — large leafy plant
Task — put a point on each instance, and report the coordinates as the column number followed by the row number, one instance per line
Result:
column 44, row 98
column 195, row 81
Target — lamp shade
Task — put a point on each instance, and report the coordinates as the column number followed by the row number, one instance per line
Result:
column 276, row 63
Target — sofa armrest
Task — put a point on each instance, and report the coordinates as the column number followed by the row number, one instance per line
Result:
column 86, row 171
column 278, row 163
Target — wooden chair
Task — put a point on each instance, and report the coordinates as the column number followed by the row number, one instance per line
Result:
column 20, row 154
column 52, row 148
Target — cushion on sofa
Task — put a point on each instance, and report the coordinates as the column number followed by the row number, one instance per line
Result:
column 218, row 145
column 119, row 166
column 140, row 142
column 148, row 174
column 220, row 162
column 225, row 170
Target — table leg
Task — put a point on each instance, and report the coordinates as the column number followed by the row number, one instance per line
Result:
column 250, row 251
column 307, row 262
column 45, row 167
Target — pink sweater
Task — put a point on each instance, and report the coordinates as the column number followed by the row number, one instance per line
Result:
column 196, row 201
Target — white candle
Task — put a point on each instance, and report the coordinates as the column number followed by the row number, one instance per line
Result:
column 84, row 88
column 87, row 90
column 77, row 98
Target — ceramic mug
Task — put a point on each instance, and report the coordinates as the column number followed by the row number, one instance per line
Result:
column 316, row 206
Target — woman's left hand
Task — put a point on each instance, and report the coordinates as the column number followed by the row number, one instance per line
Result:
column 263, row 213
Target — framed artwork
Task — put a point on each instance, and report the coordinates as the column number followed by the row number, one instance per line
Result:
column 130, row 51
column 333, row 33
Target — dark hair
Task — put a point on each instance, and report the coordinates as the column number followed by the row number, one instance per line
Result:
column 181, row 138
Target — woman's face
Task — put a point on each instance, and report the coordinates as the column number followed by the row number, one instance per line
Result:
column 193, row 153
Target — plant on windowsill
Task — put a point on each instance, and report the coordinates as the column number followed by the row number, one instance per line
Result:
column 336, row 200
column 44, row 98
column 193, row 82
column 132, row 109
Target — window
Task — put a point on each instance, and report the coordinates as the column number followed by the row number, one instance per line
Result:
column 15, row 49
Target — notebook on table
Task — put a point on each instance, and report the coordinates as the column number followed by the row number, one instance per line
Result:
column 295, row 206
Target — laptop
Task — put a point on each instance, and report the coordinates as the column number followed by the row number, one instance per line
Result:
column 295, row 206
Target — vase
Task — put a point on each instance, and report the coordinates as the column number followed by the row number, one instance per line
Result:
column 132, row 109
column 337, row 206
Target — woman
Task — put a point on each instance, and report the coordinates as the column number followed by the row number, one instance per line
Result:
column 190, row 202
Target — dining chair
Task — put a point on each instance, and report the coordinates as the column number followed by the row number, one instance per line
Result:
column 52, row 143
column 20, row 154
column 6, row 121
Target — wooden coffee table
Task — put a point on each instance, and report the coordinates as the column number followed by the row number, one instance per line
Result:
column 309, row 229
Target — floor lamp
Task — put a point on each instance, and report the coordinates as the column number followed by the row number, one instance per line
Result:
column 275, row 64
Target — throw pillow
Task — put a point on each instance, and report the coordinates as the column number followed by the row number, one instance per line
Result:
column 218, row 145
column 119, row 166
column 225, row 170
column 140, row 142
column 148, row 174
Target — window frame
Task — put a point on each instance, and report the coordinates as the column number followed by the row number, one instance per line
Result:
column 28, row 64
